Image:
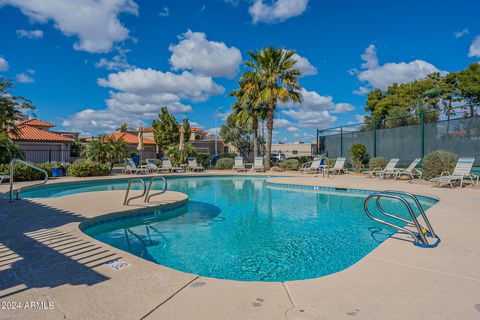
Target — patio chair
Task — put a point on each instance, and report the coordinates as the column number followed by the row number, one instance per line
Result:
column 4, row 177
column 411, row 171
column 131, row 167
column 152, row 165
column 339, row 166
column 462, row 170
column 167, row 166
column 193, row 165
column 239, row 164
column 258, row 164
column 314, row 166
column 388, row 171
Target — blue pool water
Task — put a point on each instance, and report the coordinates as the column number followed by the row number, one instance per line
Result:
column 243, row 229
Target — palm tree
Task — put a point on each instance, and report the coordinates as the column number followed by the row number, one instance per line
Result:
column 8, row 149
column 272, row 78
column 246, row 113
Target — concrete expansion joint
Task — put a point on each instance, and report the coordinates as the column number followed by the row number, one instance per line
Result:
column 169, row 298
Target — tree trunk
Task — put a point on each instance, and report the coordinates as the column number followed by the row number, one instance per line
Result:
column 255, row 136
column 269, row 136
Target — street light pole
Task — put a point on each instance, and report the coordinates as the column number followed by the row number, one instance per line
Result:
column 429, row 92
column 216, row 130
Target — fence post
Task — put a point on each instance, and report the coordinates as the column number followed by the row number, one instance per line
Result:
column 422, row 134
column 49, row 155
column 374, row 138
column 318, row 144
column 341, row 141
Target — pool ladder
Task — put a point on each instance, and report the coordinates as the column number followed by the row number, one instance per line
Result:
column 146, row 189
column 421, row 234
column 11, row 176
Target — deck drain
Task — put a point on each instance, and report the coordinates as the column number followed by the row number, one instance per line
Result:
column 302, row 314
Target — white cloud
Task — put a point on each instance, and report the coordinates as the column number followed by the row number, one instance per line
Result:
column 369, row 56
column 360, row 117
column 138, row 94
column 362, row 91
column 475, row 48
column 194, row 52
column 305, row 67
column 30, row 34
column 94, row 22
column 344, row 107
column 165, row 12
column 277, row 11
column 312, row 119
column 315, row 111
column 25, row 77
column 147, row 81
column 3, row 64
column 462, row 33
column 282, row 123
column 382, row 76
column 117, row 63
column 292, row 129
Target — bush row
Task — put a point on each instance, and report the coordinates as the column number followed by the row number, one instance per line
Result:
column 88, row 169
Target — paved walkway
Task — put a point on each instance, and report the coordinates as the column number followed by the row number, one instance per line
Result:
column 44, row 257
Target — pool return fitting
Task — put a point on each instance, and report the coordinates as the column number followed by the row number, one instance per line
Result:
column 421, row 233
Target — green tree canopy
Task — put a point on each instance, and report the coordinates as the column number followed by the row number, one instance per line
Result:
column 165, row 129
column 239, row 134
column 8, row 149
column 187, row 128
column 11, row 106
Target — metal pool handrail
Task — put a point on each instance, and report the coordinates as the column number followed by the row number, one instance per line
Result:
column 127, row 200
column 419, row 206
column 420, row 237
column 165, row 185
column 12, row 167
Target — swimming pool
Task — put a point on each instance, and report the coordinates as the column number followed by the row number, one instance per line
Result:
column 243, row 228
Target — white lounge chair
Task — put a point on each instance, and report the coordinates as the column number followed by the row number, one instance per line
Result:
column 388, row 171
column 131, row 167
column 152, row 165
column 314, row 166
column 193, row 165
column 258, row 164
column 167, row 166
column 239, row 165
column 339, row 166
column 462, row 171
column 411, row 171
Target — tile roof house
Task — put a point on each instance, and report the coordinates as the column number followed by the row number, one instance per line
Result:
column 200, row 140
column 131, row 139
column 39, row 144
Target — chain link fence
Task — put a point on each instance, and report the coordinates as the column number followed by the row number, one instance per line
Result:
column 408, row 137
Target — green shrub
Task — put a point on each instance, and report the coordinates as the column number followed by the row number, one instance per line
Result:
column 88, row 169
column 224, row 164
column 203, row 159
column 437, row 162
column 229, row 155
column 290, row 164
column 359, row 156
column 378, row 162
column 25, row 173
column 302, row 159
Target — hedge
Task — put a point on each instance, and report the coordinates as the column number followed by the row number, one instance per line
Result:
column 88, row 169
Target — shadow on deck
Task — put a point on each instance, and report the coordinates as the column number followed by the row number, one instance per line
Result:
column 33, row 254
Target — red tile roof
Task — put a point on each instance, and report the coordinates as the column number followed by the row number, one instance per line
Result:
column 28, row 133
column 36, row 123
column 129, row 138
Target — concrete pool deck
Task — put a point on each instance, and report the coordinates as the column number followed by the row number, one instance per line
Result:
column 44, row 257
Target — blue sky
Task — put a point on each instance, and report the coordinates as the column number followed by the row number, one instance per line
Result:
column 88, row 65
